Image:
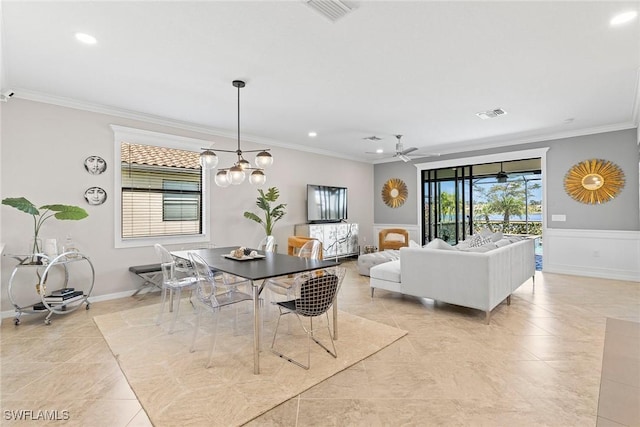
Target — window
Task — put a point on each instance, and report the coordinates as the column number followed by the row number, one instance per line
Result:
column 162, row 192
column 181, row 200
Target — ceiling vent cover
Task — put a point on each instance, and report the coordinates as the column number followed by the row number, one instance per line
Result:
column 373, row 138
column 330, row 9
column 491, row 114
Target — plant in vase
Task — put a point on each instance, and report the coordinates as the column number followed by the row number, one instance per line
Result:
column 272, row 214
column 42, row 214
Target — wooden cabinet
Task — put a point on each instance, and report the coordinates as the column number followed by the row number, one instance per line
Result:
column 338, row 239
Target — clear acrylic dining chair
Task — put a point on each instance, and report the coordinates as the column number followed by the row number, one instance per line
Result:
column 314, row 293
column 212, row 293
column 283, row 285
column 172, row 282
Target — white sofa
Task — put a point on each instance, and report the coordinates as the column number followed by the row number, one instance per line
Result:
column 479, row 280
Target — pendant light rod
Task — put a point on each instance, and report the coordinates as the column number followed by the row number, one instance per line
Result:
column 238, row 84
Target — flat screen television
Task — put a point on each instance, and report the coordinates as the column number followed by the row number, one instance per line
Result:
column 326, row 203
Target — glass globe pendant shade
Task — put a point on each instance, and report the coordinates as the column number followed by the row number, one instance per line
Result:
column 257, row 177
column 236, row 175
column 208, row 159
column 264, row 159
column 243, row 164
column 222, row 179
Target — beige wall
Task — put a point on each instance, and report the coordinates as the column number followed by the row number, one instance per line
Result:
column 43, row 150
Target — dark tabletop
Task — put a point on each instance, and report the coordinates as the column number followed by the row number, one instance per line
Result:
column 272, row 265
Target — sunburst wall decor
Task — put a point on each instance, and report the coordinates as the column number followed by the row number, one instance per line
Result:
column 394, row 192
column 594, row 181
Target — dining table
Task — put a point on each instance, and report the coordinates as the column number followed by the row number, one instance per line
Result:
column 256, row 269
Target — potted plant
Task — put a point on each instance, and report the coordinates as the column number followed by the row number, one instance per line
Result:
column 43, row 213
column 272, row 214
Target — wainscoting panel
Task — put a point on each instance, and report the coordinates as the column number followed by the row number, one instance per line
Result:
column 414, row 232
column 594, row 253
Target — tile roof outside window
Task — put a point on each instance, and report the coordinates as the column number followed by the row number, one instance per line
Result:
column 159, row 156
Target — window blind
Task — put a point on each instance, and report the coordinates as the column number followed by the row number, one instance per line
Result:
column 161, row 191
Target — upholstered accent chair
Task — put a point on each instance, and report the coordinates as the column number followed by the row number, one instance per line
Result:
column 393, row 238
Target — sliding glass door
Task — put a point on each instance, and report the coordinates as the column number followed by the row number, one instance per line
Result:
column 504, row 196
column 447, row 204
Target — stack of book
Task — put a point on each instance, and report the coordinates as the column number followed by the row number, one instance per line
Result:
column 63, row 296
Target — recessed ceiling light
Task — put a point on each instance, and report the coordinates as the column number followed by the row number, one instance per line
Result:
column 379, row 151
column 623, row 18
column 313, row 134
column 86, row 38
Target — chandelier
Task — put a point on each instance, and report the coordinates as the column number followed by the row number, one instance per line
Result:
column 236, row 174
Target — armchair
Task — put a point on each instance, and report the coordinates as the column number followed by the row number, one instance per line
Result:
column 393, row 238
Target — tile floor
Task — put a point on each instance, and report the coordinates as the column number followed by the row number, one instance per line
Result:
column 538, row 363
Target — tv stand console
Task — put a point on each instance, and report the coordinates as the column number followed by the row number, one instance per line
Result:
column 338, row 239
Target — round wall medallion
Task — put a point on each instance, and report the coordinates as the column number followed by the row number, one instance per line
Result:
column 394, row 192
column 594, row 181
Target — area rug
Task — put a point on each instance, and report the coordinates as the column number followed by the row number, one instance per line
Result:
column 175, row 388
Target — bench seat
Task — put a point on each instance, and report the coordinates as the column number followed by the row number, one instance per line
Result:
column 150, row 273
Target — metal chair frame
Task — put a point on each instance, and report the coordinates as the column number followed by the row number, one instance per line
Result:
column 315, row 293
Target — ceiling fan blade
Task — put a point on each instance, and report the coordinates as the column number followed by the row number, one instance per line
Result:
column 408, row 150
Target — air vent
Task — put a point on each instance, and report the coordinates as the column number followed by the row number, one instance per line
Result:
column 330, row 9
column 491, row 114
column 373, row 138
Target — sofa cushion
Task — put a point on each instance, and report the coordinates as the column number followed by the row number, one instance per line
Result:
column 440, row 244
column 366, row 261
column 413, row 244
column 389, row 271
column 503, row 242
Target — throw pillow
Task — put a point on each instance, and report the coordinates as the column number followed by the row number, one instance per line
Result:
column 478, row 240
column 413, row 244
column 394, row 237
column 463, row 245
column 485, row 232
column 440, row 244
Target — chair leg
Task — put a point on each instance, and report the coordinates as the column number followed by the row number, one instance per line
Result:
column 310, row 336
column 195, row 332
column 214, row 335
column 164, row 299
column 176, row 311
column 311, row 332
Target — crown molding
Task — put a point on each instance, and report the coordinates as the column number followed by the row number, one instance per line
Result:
column 444, row 149
column 635, row 114
column 35, row 96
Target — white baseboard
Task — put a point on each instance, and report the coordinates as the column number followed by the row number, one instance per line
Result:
column 12, row 313
column 607, row 254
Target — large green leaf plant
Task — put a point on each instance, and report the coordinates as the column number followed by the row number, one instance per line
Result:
column 272, row 214
column 43, row 213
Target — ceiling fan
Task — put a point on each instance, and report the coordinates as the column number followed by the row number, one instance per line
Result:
column 501, row 176
column 403, row 153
